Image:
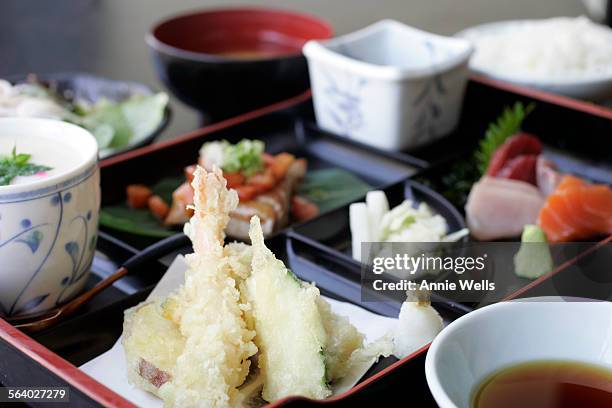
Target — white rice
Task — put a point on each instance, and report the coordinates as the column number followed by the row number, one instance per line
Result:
column 556, row 48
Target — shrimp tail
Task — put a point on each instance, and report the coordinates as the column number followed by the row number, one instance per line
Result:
column 213, row 203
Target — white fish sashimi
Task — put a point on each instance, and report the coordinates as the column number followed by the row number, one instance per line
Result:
column 499, row 208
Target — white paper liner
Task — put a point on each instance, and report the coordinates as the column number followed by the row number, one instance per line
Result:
column 110, row 368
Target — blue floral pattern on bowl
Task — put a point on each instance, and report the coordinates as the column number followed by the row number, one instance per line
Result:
column 46, row 255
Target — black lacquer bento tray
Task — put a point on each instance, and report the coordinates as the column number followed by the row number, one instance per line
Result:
column 573, row 129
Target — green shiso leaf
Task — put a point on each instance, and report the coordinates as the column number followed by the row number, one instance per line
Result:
column 505, row 126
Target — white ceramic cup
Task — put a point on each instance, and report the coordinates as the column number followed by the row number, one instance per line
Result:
column 389, row 85
column 48, row 225
column 489, row 339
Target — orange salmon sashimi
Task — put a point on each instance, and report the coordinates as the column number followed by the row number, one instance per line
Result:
column 577, row 210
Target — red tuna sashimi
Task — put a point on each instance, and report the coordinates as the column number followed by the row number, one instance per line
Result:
column 521, row 168
column 519, row 144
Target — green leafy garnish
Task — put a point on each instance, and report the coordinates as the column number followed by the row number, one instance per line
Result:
column 118, row 124
column 332, row 188
column 245, row 157
column 505, row 126
column 114, row 124
column 17, row 165
column 140, row 221
column 458, row 179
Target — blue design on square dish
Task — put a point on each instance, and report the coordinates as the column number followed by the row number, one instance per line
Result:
column 345, row 102
column 427, row 101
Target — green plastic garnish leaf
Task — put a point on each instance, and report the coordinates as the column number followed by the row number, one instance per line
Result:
column 505, row 126
column 18, row 164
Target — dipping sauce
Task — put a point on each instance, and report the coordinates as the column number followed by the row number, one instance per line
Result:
column 546, row 384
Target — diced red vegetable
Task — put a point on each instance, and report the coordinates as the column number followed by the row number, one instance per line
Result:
column 234, row 179
column 246, row 192
column 302, row 209
column 281, row 164
column 263, row 181
column 138, row 195
column 158, row 207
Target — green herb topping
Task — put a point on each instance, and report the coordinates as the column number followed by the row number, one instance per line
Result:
column 17, row 165
column 245, row 157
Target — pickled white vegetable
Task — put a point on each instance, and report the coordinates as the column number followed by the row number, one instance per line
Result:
column 417, row 325
column 360, row 229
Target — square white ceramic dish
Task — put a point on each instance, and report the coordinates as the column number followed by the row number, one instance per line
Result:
column 389, row 85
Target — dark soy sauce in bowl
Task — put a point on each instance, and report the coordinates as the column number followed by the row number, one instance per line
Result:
column 546, row 384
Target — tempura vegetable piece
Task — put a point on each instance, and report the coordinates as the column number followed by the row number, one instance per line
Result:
column 290, row 331
column 210, row 344
column 152, row 345
column 342, row 340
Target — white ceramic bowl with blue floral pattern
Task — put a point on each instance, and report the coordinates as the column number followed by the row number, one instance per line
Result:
column 389, row 85
column 49, row 221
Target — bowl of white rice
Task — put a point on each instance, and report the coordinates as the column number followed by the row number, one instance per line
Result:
column 571, row 56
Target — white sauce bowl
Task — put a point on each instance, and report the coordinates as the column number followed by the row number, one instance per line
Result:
column 504, row 334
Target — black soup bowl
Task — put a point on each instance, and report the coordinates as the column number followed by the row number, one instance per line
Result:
column 224, row 62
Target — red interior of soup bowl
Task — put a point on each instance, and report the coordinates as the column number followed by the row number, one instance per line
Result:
column 248, row 32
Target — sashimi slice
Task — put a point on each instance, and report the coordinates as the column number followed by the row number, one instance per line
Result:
column 577, row 210
column 560, row 224
column 569, row 182
column 567, row 208
column 499, row 208
column 522, row 167
column 547, row 176
column 519, row 144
